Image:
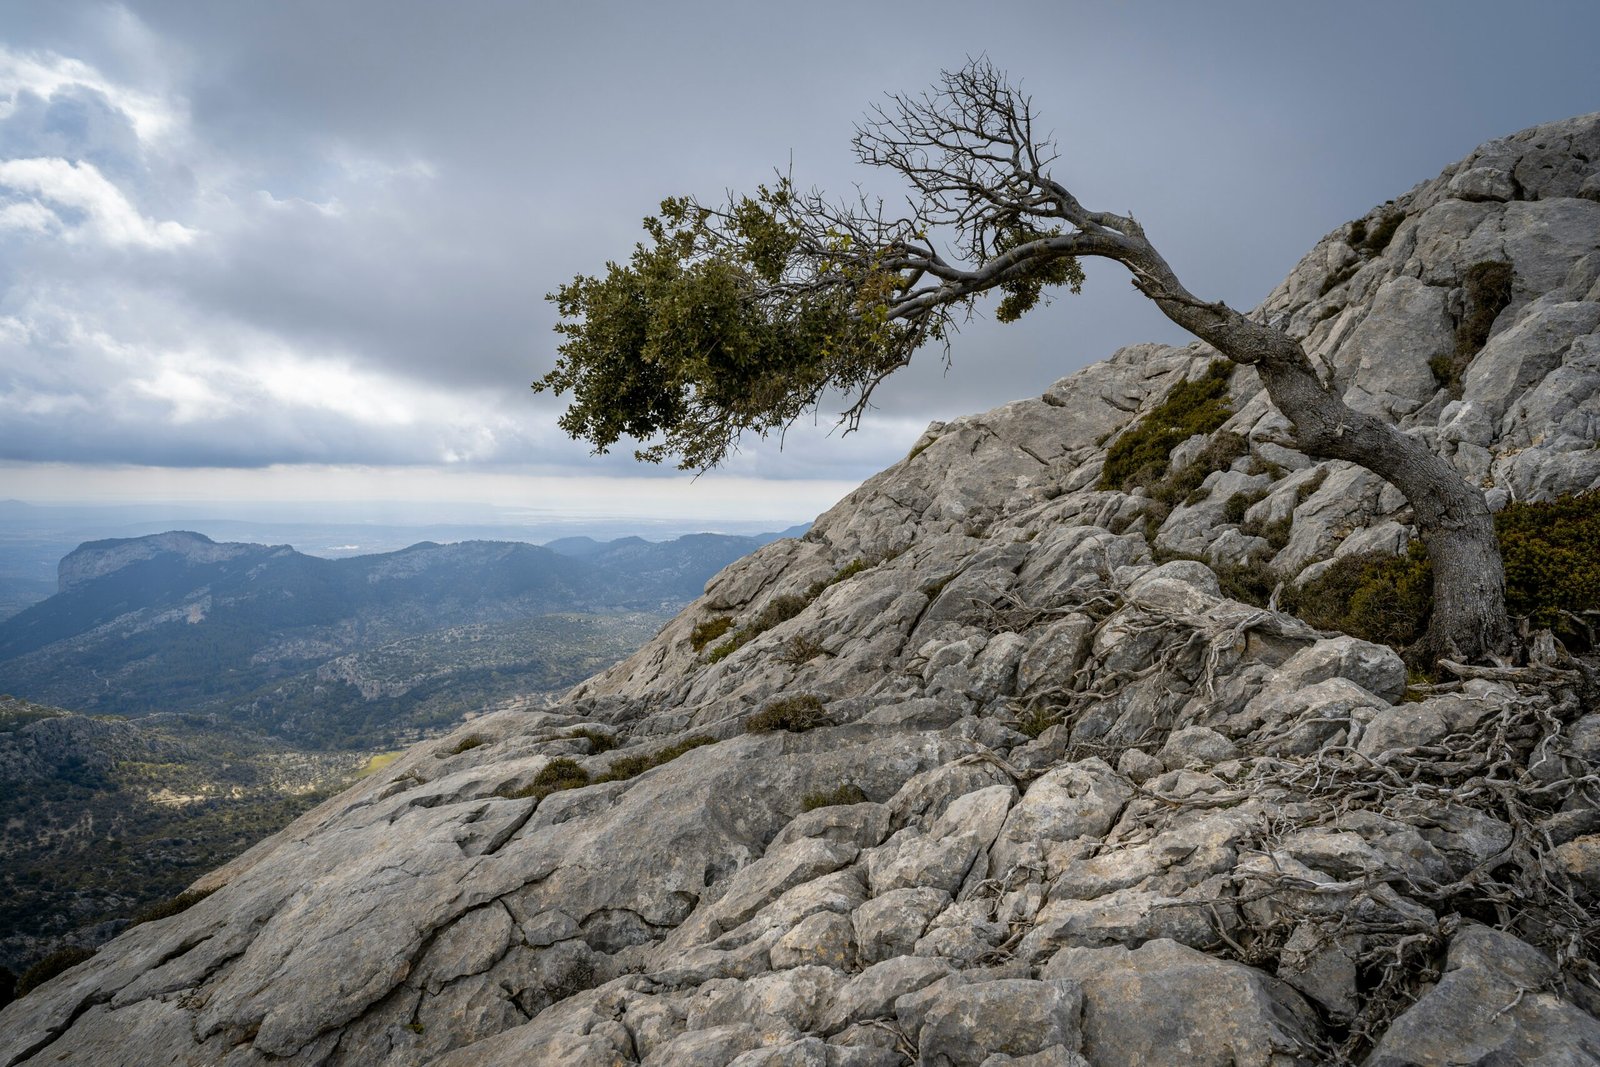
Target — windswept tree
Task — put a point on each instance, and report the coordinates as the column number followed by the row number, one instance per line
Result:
column 741, row 316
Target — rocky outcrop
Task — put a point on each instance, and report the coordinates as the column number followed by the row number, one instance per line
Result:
column 1049, row 797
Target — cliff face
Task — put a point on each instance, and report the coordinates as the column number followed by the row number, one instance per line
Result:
column 1066, row 803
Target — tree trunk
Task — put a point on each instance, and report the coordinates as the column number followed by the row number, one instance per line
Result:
column 1469, row 620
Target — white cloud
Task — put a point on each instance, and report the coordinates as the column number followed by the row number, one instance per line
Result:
column 80, row 187
column 154, row 117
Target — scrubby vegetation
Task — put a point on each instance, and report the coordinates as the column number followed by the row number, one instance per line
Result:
column 176, row 905
column 848, row 793
column 706, row 632
column 796, row 714
column 626, row 767
column 466, row 744
column 1487, row 291
column 1141, row 455
column 57, row 962
column 779, row 609
column 1552, row 560
column 1552, row 579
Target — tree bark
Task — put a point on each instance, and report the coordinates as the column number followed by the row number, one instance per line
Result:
column 1469, row 620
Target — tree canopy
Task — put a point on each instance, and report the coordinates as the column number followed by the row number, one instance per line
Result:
column 740, row 317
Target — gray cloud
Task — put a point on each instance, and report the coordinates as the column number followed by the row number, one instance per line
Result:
column 305, row 232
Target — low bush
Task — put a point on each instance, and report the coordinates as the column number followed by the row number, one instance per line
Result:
column 1371, row 595
column 706, row 632
column 163, row 909
column 625, row 767
column 1141, row 455
column 58, row 961
column 779, row 609
column 1552, row 559
column 598, row 742
column 849, row 793
column 467, row 743
column 795, row 714
column 559, row 774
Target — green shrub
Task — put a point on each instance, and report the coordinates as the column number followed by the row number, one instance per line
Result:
column 55, row 963
column 802, row 649
column 1035, row 721
column 1373, row 596
column 1487, row 287
column 708, row 631
column 559, row 774
column 1236, row 505
column 1140, row 456
column 625, row 767
column 467, row 743
column 598, row 742
column 848, row 571
column 779, row 609
column 1375, row 240
column 1552, row 559
column 849, row 793
column 796, row 714
column 163, row 909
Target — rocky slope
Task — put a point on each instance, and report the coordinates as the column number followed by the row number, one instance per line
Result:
column 1067, row 803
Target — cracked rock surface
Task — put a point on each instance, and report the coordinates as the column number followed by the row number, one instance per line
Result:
column 1067, row 803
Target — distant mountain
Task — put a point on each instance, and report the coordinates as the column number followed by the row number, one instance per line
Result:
column 337, row 651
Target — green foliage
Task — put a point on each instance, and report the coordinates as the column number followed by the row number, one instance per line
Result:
column 802, row 649
column 1552, row 574
column 1487, row 291
column 795, row 714
column 1024, row 291
column 1276, row 533
column 779, row 609
column 848, row 793
column 1236, row 505
column 849, row 570
column 1372, row 595
column 1142, row 454
column 1036, row 720
column 166, row 908
column 1552, row 559
column 626, row 767
column 598, row 742
column 559, row 774
column 55, row 963
column 466, row 744
column 697, row 339
column 1374, row 241
column 706, row 632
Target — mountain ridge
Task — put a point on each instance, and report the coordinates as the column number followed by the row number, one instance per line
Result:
column 986, row 768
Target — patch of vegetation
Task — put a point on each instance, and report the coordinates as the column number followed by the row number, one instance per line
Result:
column 1275, row 533
column 1552, row 566
column 1337, row 278
column 802, row 649
column 466, row 744
column 779, row 609
column 1371, row 595
column 1141, row 455
column 1036, row 720
column 1303, row 491
column 57, row 962
column 598, row 742
column 848, row 571
column 174, row 906
column 795, row 714
column 1235, row 506
column 626, row 767
column 1487, row 289
column 706, row 632
column 559, row 774
column 1372, row 242
column 1552, row 578
column 848, row 793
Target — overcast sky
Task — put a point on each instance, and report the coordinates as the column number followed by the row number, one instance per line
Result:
column 299, row 250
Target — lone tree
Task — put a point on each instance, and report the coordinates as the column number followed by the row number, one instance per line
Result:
column 739, row 317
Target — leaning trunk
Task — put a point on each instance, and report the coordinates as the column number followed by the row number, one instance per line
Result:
column 1469, row 620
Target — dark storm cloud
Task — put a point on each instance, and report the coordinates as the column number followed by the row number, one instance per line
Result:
column 314, row 232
